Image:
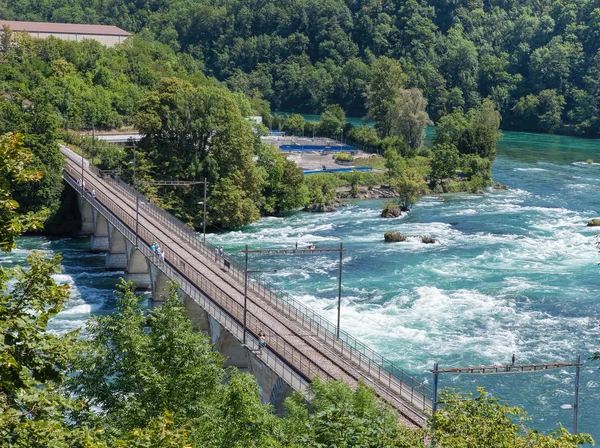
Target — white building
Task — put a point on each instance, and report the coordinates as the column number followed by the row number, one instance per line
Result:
column 106, row 35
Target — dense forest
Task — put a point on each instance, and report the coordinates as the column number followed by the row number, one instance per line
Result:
column 537, row 60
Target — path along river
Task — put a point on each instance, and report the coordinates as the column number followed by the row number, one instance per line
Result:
column 513, row 271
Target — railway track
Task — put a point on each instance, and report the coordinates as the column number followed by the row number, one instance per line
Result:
column 308, row 355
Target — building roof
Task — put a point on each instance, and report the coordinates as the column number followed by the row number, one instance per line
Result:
column 67, row 28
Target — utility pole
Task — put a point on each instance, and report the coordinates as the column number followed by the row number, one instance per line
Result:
column 137, row 199
column 511, row 368
column 576, row 405
column 339, row 307
column 82, row 181
column 297, row 251
column 245, row 297
column 204, row 215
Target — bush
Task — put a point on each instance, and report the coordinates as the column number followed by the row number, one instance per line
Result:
column 589, row 161
column 391, row 210
column 427, row 240
column 343, row 156
column 394, row 237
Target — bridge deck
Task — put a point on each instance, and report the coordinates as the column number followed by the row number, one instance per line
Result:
column 296, row 342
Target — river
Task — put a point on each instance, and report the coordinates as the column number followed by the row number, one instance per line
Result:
column 512, row 271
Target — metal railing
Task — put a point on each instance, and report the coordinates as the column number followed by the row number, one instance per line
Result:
column 211, row 298
column 377, row 367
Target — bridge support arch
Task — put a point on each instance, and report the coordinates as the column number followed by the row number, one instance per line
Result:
column 99, row 239
column 138, row 269
column 116, row 257
column 159, row 285
column 87, row 217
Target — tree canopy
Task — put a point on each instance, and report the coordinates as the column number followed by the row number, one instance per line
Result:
column 305, row 54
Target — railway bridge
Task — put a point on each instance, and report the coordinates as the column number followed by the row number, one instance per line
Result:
column 300, row 343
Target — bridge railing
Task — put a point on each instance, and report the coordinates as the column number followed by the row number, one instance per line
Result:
column 378, row 367
column 213, row 299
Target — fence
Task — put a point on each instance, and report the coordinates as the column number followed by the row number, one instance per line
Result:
column 377, row 367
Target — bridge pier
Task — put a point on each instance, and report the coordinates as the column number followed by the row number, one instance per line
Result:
column 197, row 314
column 116, row 257
column 87, row 217
column 99, row 239
column 159, row 284
column 138, row 269
column 273, row 389
column 228, row 345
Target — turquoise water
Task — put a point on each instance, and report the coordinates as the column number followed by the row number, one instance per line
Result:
column 512, row 272
column 91, row 285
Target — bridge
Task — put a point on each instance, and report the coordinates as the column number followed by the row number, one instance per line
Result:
column 301, row 344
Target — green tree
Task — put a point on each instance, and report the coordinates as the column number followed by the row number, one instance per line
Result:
column 139, row 374
column 14, row 163
column 446, row 160
column 387, row 78
column 409, row 187
column 333, row 120
column 338, row 416
column 470, row 422
column 294, row 124
column 409, row 117
column 192, row 133
column 284, row 187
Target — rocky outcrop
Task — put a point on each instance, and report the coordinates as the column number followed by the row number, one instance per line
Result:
column 391, row 210
column 394, row 237
column 594, row 222
column 323, row 208
column 427, row 240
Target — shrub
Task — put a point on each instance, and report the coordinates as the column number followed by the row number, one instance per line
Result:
column 391, row 210
column 394, row 237
column 589, row 161
column 343, row 156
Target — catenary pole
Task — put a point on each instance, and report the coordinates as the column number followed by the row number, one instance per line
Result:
column 339, row 307
column 245, row 297
column 435, row 389
column 576, row 405
column 137, row 199
column 204, row 215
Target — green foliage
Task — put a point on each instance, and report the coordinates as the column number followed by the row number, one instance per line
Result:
column 470, row 422
column 140, row 375
column 343, row 156
column 284, row 187
column 34, row 361
column 387, row 78
column 409, row 187
column 446, row 161
column 193, row 133
column 15, row 163
column 307, row 54
column 409, row 117
column 338, row 416
column 475, row 132
column 333, row 120
column 294, row 124
column 394, row 162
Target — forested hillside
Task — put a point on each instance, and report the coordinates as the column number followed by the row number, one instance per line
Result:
column 537, row 60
